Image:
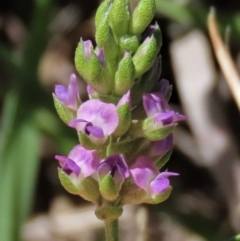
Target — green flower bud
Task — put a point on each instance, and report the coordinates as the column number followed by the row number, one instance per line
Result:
column 124, row 114
column 67, row 182
column 132, row 194
column 87, row 188
column 145, row 55
column 142, row 16
column 136, row 129
column 89, row 67
column 102, row 11
column 66, row 114
column 108, row 188
column 108, row 213
column 124, row 77
column 119, row 17
column 155, row 199
column 129, row 43
column 105, row 39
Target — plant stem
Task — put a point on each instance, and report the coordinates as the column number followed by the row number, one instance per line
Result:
column 111, row 230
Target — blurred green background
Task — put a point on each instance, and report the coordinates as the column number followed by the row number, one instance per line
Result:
column 37, row 43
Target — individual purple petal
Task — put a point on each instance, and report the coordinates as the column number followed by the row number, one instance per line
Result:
column 165, row 117
column 115, row 166
column 68, row 165
column 95, row 131
column 126, row 99
column 87, row 48
column 178, row 117
column 100, row 114
column 159, row 148
column 143, row 172
column 69, row 96
column 154, row 103
column 161, row 182
column 90, row 90
column 159, row 185
column 100, row 55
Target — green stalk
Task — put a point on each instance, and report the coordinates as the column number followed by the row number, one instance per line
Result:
column 111, row 230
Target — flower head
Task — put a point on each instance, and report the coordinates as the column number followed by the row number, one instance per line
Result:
column 69, row 96
column 79, row 162
column 156, row 106
column 146, row 176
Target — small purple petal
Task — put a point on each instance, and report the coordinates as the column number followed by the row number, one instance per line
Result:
column 159, row 148
column 90, row 90
column 154, row 103
column 159, row 185
column 161, row 182
column 165, row 117
column 178, row 117
column 143, row 172
column 79, row 124
column 87, row 48
column 95, row 131
column 61, row 93
column 126, row 99
column 69, row 96
column 100, row 55
column 68, row 165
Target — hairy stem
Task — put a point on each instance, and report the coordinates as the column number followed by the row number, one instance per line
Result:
column 111, row 230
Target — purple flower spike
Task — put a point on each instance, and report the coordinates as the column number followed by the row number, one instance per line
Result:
column 146, row 176
column 96, row 118
column 69, row 96
column 159, row 148
column 116, row 166
column 161, row 182
column 79, row 161
column 156, row 106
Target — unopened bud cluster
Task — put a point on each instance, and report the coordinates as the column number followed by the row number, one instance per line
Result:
column 124, row 130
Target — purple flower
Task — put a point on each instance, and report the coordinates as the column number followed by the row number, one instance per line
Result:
column 146, row 176
column 69, row 96
column 79, row 162
column 96, row 119
column 156, row 107
column 115, row 166
column 160, row 148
